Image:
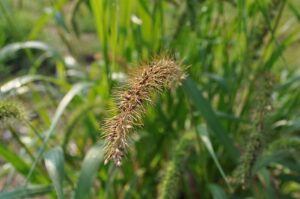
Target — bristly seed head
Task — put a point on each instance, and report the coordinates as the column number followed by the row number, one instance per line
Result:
column 160, row 73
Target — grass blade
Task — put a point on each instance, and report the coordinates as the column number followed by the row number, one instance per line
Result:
column 19, row 164
column 12, row 49
column 77, row 88
column 88, row 171
column 21, row 81
column 206, row 140
column 26, row 192
column 54, row 161
column 217, row 192
column 204, row 107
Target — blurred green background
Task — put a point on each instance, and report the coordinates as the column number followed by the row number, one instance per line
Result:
column 60, row 61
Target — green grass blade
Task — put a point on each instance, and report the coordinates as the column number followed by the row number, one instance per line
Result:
column 54, row 161
column 77, row 88
column 45, row 18
column 19, row 164
column 278, row 52
column 217, row 192
column 204, row 107
column 26, row 192
column 267, row 159
column 88, row 171
column 206, row 140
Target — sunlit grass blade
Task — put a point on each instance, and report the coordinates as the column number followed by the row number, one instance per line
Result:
column 204, row 107
column 18, row 82
column 206, row 140
column 54, row 161
column 88, row 171
column 11, row 49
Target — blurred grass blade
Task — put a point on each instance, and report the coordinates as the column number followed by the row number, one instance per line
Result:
column 278, row 52
column 77, row 88
column 74, row 12
column 11, row 49
column 266, row 178
column 206, row 140
column 21, row 81
column 217, row 192
column 204, row 107
column 54, row 161
column 76, row 116
column 44, row 19
column 88, row 171
column 19, row 164
column 26, row 192
column 266, row 160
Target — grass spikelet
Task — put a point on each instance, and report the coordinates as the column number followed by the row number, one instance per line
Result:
column 168, row 188
column 163, row 72
column 263, row 105
column 10, row 111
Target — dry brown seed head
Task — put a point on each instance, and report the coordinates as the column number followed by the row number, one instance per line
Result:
column 160, row 73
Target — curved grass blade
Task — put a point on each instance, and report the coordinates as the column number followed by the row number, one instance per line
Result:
column 11, row 49
column 88, row 171
column 206, row 140
column 21, row 81
column 54, row 161
column 77, row 88
column 267, row 159
column 204, row 107
column 75, row 117
column 26, row 192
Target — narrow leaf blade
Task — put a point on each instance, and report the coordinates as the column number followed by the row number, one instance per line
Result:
column 54, row 161
column 88, row 171
column 204, row 107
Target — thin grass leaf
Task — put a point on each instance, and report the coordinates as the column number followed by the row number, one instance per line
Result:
column 217, row 192
column 206, row 140
column 267, row 159
column 76, row 89
column 88, row 171
column 11, row 49
column 20, row 165
column 75, row 117
column 265, row 176
column 54, row 161
column 44, row 19
column 278, row 52
column 21, row 81
column 26, row 192
column 204, row 107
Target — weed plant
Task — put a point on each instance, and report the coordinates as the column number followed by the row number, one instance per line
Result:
column 229, row 130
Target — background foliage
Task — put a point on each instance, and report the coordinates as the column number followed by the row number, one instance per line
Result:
column 62, row 59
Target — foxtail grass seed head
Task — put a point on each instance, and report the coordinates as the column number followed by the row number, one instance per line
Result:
column 164, row 72
column 263, row 105
column 168, row 187
column 10, row 111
